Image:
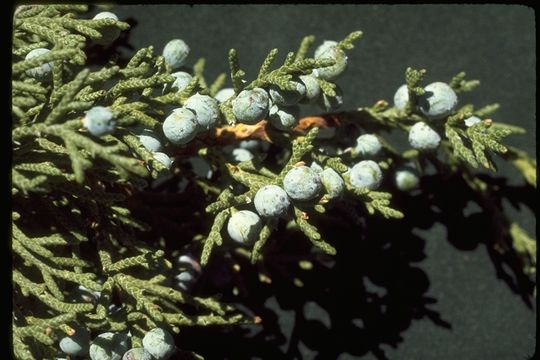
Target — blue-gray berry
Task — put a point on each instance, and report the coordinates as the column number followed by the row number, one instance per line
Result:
column 42, row 71
column 244, row 226
column 109, row 346
column 77, row 344
column 159, row 343
column 88, row 295
column 438, row 100
column 332, row 72
column 206, row 110
column 271, row 201
column 316, row 167
column 82, row 294
column 180, row 127
column 108, row 33
column 422, row 137
column 302, row 183
column 313, row 90
column 184, row 276
column 251, row 106
column 406, row 179
column 270, row 104
column 367, row 145
column 105, row 15
column 332, row 182
column 137, row 354
column 401, row 97
column 113, row 309
column 182, row 79
column 224, row 94
column 240, row 155
column 254, row 145
column 472, row 120
column 99, row 121
column 184, row 280
column 163, row 158
column 188, row 261
column 175, row 53
column 150, row 140
column 327, row 44
column 366, row 174
column 189, row 270
column 250, row 144
column 284, row 117
column 200, row 167
column 331, row 103
column 288, row 97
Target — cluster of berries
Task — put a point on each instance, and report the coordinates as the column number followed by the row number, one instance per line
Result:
column 201, row 112
column 108, row 35
column 280, row 107
column 158, row 344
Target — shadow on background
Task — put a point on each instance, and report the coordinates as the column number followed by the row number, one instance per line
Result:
column 365, row 296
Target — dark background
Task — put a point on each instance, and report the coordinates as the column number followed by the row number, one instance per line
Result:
column 474, row 314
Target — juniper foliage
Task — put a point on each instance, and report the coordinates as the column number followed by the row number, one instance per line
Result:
column 72, row 221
